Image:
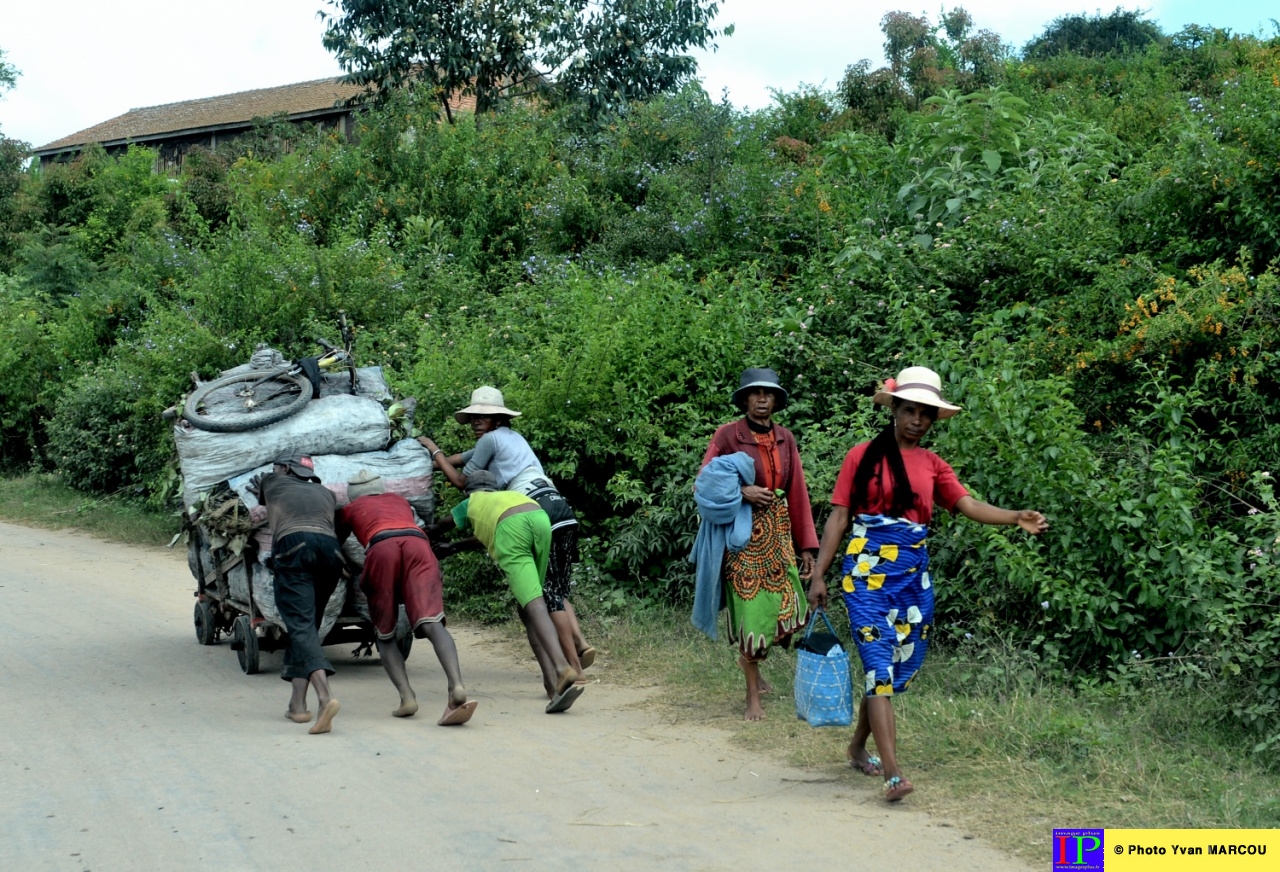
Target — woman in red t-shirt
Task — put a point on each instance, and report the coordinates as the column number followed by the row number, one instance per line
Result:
column 887, row 488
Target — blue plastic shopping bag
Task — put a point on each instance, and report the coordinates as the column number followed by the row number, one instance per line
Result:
column 824, row 694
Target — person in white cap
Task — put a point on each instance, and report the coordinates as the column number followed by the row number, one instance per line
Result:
column 505, row 453
column 884, row 499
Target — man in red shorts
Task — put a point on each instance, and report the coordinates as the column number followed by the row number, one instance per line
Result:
column 400, row 569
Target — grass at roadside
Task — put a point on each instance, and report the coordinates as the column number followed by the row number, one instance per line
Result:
column 40, row 500
column 993, row 746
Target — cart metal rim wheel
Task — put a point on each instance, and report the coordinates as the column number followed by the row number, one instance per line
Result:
column 247, row 644
column 206, row 623
column 252, row 400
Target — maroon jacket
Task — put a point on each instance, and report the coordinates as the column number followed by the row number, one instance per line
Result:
column 737, row 436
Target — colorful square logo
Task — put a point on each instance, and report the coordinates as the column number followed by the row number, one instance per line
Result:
column 1079, row 850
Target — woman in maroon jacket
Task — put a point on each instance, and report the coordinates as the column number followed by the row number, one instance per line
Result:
column 765, row 599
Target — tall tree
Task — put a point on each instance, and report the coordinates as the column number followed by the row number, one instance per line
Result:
column 8, row 73
column 613, row 52
column 924, row 59
column 12, row 156
column 605, row 52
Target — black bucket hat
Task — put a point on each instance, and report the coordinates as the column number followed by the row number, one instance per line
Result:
column 480, row 480
column 759, row 377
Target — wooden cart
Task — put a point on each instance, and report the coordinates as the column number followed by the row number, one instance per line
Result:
column 225, row 605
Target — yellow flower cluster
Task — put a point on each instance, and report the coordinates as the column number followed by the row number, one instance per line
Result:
column 1142, row 308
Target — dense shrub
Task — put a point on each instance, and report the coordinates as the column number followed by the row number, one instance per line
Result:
column 96, row 440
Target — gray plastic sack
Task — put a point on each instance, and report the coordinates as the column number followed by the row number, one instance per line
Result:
column 340, row 424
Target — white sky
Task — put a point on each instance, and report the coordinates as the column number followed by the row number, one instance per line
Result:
column 84, row 61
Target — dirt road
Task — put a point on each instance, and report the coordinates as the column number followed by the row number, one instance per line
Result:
column 124, row 745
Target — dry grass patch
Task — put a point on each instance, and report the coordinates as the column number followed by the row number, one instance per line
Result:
column 42, row 500
column 993, row 747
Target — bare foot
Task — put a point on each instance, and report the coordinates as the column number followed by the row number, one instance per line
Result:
column 755, row 712
column 567, row 677
column 457, row 696
column 324, row 723
column 455, row 715
column 408, row 708
column 862, row 761
column 298, row 717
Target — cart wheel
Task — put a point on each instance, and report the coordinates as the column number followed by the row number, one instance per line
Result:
column 206, row 624
column 405, row 644
column 246, row 644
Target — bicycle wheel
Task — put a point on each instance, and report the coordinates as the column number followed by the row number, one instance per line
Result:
column 246, row 401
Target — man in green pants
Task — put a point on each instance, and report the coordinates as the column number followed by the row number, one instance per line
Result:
column 517, row 534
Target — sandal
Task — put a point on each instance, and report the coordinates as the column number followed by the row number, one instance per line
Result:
column 896, row 788
column 870, row 766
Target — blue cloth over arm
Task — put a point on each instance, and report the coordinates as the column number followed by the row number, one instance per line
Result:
column 726, row 525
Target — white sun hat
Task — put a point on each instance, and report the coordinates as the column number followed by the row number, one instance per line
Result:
column 485, row 400
column 917, row 384
column 364, row 483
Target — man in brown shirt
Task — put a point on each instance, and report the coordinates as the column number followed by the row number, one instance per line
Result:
column 307, row 564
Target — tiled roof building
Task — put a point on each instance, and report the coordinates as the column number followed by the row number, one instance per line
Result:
column 173, row 128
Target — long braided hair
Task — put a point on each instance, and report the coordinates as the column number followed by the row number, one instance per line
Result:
column 881, row 450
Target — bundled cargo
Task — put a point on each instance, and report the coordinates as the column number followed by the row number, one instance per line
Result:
column 340, row 425
column 231, row 430
column 405, row 468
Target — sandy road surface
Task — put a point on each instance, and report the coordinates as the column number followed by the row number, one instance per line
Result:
column 124, row 745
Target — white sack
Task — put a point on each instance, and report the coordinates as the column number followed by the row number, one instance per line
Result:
column 405, row 468
column 369, row 383
column 341, row 424
column 264, row 597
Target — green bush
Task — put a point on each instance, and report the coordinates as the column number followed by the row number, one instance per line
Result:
column 95, row 438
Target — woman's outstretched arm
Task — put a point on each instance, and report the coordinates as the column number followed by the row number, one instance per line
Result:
column 985, row 513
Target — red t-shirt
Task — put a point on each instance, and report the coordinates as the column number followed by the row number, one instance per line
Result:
column 371, row 514
column 932, row 481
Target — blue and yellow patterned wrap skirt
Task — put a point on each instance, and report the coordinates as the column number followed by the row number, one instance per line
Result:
column 889, row 597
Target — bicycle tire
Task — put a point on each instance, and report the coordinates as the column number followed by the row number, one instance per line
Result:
column 292, row 392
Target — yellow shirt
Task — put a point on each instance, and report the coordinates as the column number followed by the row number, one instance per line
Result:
column 483, row 509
